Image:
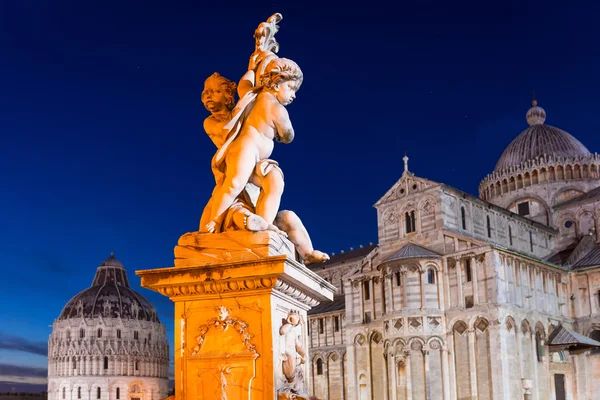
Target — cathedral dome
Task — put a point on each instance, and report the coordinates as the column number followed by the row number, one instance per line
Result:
column 109, row 296
column 539, row 140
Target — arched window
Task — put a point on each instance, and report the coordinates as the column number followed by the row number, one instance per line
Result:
column 367, row 290
column 319, row 367
column 82, row 333
column 410, row 222
column 399, row 279
column 118, row 334
column 135, row 335
column 489, row 226
column 118, row 393
column 137, row 365
column 98, row 393
column 74, row 364
column 64, row 393
column 99, row 332
column 105, row 362
column 430, row 276
column 468, row 270
column 321, row 327
column 463, row 217
column 510, row 235
column 79, row 392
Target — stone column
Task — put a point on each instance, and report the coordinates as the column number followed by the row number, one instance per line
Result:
column 445, row 373
column 351, row 364
column 394, row 376
column 475, row 280
column 461, row 296
column 361, row 301
column 534, row 368
column 472, row 362
column 404, row 272
column 446, row 284
column 409, row 395
column 372, row 286
column 534, row 286
column 440, row 289
column 238, row 321
column 423, row 285
column 385, row 376
column 390, row 284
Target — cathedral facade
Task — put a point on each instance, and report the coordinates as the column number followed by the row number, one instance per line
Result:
column 108, row 343
column 464, row 297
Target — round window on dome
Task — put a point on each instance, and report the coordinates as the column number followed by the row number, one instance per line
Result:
column 568, row 224
column 415, row 186
column 401, row 191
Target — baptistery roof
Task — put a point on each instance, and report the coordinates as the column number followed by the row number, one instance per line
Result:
column 539, row 140
column 110, row 296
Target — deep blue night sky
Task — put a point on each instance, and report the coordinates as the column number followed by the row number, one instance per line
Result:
column 103, row 146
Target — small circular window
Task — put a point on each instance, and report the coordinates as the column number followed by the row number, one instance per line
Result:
column 415, row 186
column 401, row 191
column 568, row 224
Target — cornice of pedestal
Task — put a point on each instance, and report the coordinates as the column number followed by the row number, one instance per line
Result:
column 277, row 273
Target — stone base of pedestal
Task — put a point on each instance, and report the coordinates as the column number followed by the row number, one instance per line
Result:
column 240, row 327
column 198, row 249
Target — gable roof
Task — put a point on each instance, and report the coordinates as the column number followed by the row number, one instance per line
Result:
column 562, row 338
column 591, row 259
column 392, row 194
column 411, row 250
column 338, row 304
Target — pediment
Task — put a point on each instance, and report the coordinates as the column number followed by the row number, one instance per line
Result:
column 405, row 186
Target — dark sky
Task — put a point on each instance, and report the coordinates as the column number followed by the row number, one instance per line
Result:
column 103, row 146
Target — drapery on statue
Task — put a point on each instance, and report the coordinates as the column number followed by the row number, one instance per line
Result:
column 249, row 185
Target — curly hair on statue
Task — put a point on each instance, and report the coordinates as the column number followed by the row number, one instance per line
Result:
column 280, row 70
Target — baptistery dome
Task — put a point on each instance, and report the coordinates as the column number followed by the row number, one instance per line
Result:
column 540, row 140
column 108, row 343
column 109, row 296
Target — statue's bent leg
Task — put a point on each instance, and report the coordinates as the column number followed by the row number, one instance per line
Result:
column 269, row 199
column 290, row 223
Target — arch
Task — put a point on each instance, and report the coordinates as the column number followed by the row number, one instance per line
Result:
column 481, row 324
column 398, row 343
column 460, row 326
column 375, row 337
column 504, row 185
column 560, row 173
column 535, row 178
column 543, row 175
column 525, row 327
column 539, row 327
column 595, row 334
column 438, row 338
column 510, row 323
column 577, row 172
column 593, row 171
column 526, row 180
column 552, row 174
column 566, row 193
column 498, row 188
column 511, row 184
column 585, row 171
column 360, row 339
column 569, row 172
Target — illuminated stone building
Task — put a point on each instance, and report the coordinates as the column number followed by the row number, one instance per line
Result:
column 463, row 297
column 108, row 343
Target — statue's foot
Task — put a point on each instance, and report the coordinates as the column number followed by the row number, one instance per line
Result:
column 316, row 257
column 278, row 231
column 255, row 223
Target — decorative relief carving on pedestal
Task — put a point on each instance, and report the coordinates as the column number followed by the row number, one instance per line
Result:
column 223, row 372
column 223, row 322
column 291, row 383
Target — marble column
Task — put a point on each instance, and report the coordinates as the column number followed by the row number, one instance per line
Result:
column 393, row 375
column 385, row 375
column 403, row 280
column 475, row 277
column 423, row 274
column 409, row 394
column 461, row 296
column 472, row 362
column 390, row 284
column 445, row 373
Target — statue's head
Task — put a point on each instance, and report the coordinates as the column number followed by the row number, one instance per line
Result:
column 293, row 317
column 218, row 93
column 285, row 76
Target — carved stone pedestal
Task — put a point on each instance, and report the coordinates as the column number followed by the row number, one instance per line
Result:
column 240, row 326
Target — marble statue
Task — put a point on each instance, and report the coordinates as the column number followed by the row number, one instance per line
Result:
column 249, row 184
column 293, row 356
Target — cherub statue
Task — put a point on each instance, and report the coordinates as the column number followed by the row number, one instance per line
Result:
column 293, row 355
column 218, row 98
column 244, row 137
